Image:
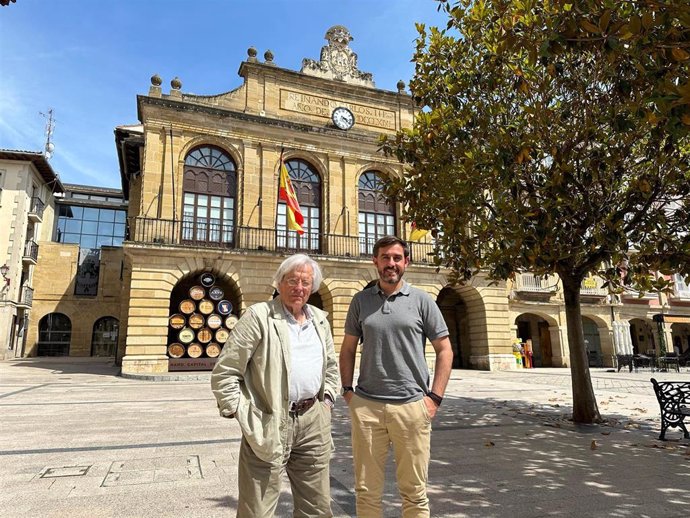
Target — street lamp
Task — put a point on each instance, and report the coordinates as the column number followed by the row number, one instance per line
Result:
column 4, row 269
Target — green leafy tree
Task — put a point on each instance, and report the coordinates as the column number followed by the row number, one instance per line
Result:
column 553, row 138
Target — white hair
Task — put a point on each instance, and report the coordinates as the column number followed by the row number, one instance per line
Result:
column 292, row 263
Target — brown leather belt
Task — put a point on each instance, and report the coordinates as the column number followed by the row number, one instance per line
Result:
column 301, row 406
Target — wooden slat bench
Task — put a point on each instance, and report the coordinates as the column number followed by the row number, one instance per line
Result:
column 674, row 402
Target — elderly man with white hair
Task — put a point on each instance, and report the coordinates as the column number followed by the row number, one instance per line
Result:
column 278, row 376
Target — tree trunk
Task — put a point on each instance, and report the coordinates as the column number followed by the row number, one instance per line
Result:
column 585, row 410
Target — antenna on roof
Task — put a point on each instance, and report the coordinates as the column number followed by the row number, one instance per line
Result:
column 50, row 127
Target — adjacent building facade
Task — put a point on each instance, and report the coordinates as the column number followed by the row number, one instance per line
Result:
column 78, row 285
column 205, row 230
column 28, row 186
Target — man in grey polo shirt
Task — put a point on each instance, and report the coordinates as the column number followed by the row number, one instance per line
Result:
column 393, row 402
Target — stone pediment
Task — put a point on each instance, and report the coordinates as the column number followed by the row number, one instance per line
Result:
column 338, row 61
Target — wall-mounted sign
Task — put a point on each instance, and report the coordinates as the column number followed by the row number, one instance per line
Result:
column 323, row 107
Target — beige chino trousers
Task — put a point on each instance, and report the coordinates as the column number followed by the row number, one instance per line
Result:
column 407, row 427
column 307, row 454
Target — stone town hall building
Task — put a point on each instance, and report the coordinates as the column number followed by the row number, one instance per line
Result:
column 205, row 226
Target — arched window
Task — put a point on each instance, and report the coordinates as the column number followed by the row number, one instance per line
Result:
column 307, row 185
column 104, row 337
column 54, row 335
column 376, row 213
column 210, row 191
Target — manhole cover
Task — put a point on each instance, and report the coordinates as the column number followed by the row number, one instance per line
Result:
column 65, row 471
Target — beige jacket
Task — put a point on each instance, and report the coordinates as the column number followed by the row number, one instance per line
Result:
column 252, row 375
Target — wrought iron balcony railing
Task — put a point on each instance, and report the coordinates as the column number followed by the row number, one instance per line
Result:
column 26, row 297
column 31, row 251
column 208, row 235
column 36, row 209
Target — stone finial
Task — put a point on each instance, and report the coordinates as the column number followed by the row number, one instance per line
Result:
column 268, row 56
column 155, row 88
column 251, row 53
column 401, row 86
column 176, row 84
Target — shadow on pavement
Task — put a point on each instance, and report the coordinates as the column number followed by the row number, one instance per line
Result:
column 70, row 365
column 498, row 458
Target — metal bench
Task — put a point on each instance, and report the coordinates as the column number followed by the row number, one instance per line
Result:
column 669, row 361
column 674, row 402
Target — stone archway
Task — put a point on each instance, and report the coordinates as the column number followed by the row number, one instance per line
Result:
column 680, row 333
column 464, row 311
column 203, row 310
column 454, row 313
column 592, row 342
column 642, row 335
column 539, row 332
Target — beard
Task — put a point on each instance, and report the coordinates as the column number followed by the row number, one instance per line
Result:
column 391, row 275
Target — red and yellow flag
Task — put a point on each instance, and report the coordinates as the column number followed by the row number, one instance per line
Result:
column 295, row 220
column 417, row 233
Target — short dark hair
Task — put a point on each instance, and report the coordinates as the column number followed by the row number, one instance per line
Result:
column 387, row 241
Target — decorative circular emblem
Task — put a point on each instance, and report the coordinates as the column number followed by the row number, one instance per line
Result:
column 231, row 321
column 176, row 350
column 224, row 307
column 213, row 350
column 343, row 118
column 214, row 321
column 216, row 293
column 177, row 321
column 206, row 307
column 197, row 292
column 196, row 321
column 194, row 350
column 187, row 306
column 207, row 279
column 222, row 335
column 186, row 335
column 204, row 335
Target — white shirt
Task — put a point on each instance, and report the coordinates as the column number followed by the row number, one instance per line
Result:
column 306, row 352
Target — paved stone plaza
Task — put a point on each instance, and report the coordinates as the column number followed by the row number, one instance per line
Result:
column 80, row 441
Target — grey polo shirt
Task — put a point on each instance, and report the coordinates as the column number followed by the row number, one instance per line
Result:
column 394, row 330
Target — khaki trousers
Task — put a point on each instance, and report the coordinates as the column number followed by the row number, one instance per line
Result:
column 307, row 454
column 407, row 427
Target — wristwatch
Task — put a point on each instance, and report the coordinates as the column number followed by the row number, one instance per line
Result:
column 344, row 390
column 435, row 398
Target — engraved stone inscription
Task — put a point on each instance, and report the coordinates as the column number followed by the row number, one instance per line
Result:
column 323, row 107
column 153, row 470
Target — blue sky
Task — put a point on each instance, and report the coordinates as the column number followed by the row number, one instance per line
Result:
column 88, row 60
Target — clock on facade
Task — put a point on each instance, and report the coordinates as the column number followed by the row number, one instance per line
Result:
column 343, row 118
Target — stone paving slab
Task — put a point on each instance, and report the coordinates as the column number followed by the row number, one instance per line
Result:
column 502, row 446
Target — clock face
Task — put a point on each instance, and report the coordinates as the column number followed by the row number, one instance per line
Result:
column 343, row 118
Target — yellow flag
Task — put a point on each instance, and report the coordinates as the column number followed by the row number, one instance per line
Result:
column 417, row 233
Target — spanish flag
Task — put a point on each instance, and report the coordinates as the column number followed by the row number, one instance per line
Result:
column 287, row 194
column 417, row 233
